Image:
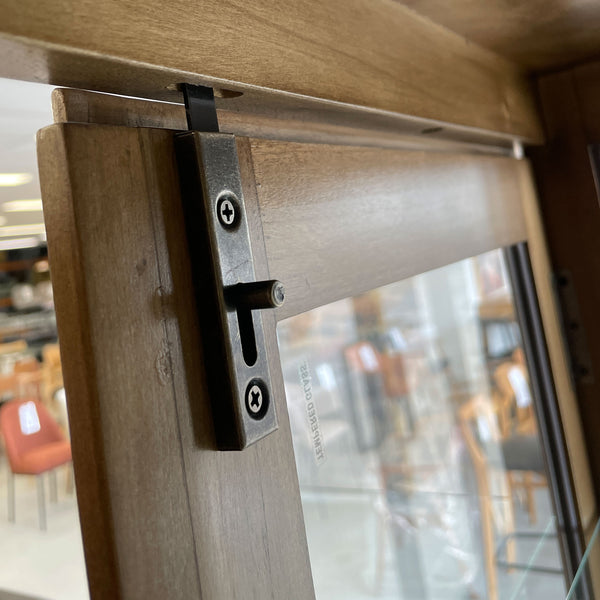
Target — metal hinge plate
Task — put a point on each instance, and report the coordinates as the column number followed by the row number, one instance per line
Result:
column 228, row 297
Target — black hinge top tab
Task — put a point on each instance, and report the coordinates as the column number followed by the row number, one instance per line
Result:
column 200, row 108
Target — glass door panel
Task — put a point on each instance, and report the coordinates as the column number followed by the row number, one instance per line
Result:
column 420, row 465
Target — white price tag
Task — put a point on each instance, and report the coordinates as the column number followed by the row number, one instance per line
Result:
column 520, row 386
column 29, row 419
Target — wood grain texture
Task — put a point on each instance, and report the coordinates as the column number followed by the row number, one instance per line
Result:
column 559, row 361
column 569, row 205
column 71, row 105
column 339, row 221
column 127, row 455
column 304, row 123
column 163, row 514
column 298, row 584
column 569, row 208
column 79, row 374
column 366, row 53
column 538, row 34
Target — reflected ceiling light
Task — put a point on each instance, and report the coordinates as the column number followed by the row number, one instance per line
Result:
column 18, row 243
column 14, row 230
column 14, row 179
column 22, row 206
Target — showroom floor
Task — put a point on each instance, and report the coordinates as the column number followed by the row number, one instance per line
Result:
column 35, row 564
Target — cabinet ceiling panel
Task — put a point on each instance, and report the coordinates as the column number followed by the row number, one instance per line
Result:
column 538, row 34
column 362, row 53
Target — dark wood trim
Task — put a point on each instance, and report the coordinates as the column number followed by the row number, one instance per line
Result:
column 571, row 215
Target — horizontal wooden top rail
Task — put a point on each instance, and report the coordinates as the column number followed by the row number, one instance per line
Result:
column 373, row 54
column 339, row 221
column 317, row 125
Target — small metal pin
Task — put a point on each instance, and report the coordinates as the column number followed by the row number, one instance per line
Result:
column 256, row 295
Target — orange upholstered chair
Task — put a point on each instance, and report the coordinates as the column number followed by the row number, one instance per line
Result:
column 34, row 445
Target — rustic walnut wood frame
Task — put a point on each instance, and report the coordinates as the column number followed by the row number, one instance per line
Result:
column 115, row 234
column 163, row 513
column 340, row 53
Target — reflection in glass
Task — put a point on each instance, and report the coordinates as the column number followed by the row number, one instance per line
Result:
column 585, row 573
column 418, row 456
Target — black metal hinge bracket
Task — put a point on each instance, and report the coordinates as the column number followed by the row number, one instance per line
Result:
column 229, row 300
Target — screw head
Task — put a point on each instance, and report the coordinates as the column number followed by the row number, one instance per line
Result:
column 228, row 211
column 278, row 294
column 257, row 399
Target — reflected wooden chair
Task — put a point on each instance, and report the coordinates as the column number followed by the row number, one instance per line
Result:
column 29, row 378
column 53, row 396
column 367, row 397
column 517, row 418
column 8, row 386
column 10, row 352
column 17, row 347
column 387, row 385
column 23, row 380
column 51, row 371
column 52, row 382
column 479, row 423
